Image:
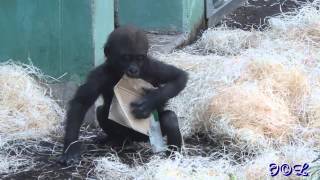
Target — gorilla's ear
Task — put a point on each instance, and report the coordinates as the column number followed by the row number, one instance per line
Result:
column 106, row 49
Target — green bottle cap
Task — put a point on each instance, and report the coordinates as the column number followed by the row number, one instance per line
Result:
column 155, row 115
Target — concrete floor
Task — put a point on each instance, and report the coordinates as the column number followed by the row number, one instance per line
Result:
column 165, row 43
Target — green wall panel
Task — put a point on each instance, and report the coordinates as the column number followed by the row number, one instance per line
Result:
column 163, row 15
column 67, row 36
column 56, row 35
column 193, row 14
column 25, row 32
column 76, row 37
column 103, row 24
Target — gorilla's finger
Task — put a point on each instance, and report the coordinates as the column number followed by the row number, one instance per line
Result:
column 135, row 105
column 140, row 113
column 146, row 90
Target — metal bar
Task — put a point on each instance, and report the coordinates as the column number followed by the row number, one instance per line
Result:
column 217, row 9
column 116, row 14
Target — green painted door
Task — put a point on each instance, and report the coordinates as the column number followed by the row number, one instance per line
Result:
column 56, row 35
column 164, row 15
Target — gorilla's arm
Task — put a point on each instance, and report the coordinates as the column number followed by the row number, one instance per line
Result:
column 170, row 81
column 85, row 96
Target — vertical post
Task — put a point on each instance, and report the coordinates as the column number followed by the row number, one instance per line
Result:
column 217, row 9
column 116, row 14
column 217, row 3
column 103, row 25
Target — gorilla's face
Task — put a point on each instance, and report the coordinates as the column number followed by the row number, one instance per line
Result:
column 134, row 64
column 126, row 50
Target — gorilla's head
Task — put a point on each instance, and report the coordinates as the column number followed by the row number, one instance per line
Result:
column 126, row 50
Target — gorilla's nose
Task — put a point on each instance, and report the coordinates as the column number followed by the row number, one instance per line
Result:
column 133, row 70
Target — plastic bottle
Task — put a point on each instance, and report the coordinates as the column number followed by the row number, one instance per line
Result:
column 155, row 135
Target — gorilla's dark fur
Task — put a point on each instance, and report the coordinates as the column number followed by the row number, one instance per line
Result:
column 126, row 52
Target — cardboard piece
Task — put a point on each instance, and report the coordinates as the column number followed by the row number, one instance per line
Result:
column 126, row 91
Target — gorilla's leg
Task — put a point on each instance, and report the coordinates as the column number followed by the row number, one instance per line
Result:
column 170, row 128
column 116, row 131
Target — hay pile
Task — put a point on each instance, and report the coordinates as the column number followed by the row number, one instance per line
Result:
column 243, row 111
column 11, row 164
column 197, row 167
column 254, row 94
column 26, row 113
column 184, row 168
column 303, row 26
column 4, row 165
column 25, row 110
column 157, row 169
column 261, row 94
column 110, row 167
column 258, row 168
column 224, row 41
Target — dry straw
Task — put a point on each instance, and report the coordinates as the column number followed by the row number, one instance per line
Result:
column 182, row 167
column 26, row 113
column 260, row 93
column 258, row 168
column 248, row 110
column 257, row 90
column 203, row 168
column 225, row 41
column 25, row 109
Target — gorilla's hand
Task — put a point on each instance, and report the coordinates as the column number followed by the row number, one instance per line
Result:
column 146, row 91
column 142, row 108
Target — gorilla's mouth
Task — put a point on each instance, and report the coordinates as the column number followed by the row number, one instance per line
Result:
column 132, row 74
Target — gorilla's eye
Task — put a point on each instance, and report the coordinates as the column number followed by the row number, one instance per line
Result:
column 140, row 57
column 126, row 57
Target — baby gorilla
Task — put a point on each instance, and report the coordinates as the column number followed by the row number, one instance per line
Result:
column 126, row 52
